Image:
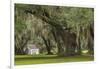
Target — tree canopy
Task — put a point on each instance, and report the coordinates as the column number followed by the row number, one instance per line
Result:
column 60, row 30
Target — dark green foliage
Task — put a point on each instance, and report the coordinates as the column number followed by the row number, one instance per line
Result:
column 64, row 31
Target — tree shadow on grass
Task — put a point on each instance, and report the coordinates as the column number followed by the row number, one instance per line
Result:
column 36, row 58
column 45, row 57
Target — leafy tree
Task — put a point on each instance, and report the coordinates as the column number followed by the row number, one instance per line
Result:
column 67, row 30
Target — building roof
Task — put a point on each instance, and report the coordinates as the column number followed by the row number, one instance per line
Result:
column 32, row 46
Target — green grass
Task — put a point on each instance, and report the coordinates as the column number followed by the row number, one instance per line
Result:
column 43, row 59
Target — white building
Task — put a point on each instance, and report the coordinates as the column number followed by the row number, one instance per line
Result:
column 32, row 49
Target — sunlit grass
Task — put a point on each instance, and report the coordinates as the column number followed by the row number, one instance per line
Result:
column 43, row 59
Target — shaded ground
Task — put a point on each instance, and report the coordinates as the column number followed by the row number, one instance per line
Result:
column 43, row 59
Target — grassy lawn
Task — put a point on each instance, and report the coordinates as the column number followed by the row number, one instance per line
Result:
column 43, row 59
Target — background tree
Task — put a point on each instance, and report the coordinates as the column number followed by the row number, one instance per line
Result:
column 66, row 30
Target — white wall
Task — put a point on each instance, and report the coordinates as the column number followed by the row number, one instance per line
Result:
column 33, row 51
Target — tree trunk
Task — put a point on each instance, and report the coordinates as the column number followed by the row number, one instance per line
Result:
column 47, row 44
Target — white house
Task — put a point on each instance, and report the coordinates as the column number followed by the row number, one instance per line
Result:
column 32, row 49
